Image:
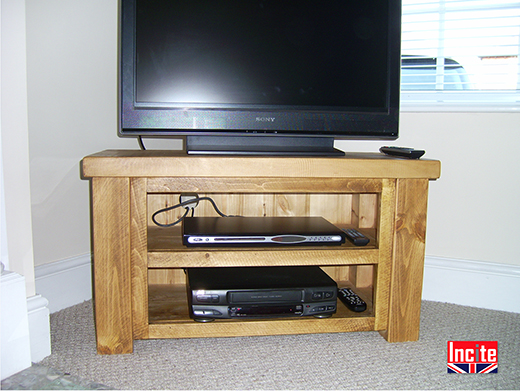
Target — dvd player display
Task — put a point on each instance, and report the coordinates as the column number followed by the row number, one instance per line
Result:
column 260, row 292
column 259, row 231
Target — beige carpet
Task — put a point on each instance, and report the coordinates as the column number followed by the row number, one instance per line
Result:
column 362, row 360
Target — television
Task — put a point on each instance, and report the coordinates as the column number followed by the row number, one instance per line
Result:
column 282, row 77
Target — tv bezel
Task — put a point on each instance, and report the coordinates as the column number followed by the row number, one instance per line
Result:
column 260, row 130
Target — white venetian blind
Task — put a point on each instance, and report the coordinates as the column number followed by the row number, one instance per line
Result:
column 463, row 52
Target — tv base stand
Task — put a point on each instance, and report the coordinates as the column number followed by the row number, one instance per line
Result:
column 139, row 286
column 261, row 146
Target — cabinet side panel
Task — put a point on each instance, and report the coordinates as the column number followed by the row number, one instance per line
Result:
column 408, row 260
column 139, row 257
column 112, row 274
column 384, row 267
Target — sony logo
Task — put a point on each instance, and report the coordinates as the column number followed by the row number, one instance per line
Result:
column 265, row 119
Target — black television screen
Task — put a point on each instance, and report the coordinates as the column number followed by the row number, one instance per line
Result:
column 260, row 76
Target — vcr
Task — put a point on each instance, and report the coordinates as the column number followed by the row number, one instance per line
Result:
column 260, row 292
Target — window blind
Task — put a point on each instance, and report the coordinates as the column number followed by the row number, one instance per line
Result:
column 460, row 52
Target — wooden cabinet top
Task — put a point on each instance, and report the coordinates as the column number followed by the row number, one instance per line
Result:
column 153, row 163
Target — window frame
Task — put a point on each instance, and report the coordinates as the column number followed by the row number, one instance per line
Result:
column 458, row 100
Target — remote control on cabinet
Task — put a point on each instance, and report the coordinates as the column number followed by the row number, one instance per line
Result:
column 409, row 153
column 351, row 300
column 356, row 237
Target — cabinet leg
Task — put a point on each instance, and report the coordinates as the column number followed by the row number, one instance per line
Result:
column 408, row 261
column 112, row 274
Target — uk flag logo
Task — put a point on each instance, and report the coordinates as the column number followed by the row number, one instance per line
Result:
column 472, row 357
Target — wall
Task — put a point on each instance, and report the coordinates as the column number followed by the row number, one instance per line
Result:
column 72, row 93
column 473, row 207
column 72, row 99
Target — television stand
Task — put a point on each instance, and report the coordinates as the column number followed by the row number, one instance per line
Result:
column 139, row 284
column 261, row 145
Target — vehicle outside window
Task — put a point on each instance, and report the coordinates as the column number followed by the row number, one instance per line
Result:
column 428, row 73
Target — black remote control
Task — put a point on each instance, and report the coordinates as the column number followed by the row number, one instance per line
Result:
column 409, row 153
column 351, row 300
column 356, row 237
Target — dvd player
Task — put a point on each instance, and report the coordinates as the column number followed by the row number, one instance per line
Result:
column 260, row 292
column 259, row 231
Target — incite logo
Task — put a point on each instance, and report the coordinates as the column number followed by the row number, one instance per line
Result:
column 472, row 356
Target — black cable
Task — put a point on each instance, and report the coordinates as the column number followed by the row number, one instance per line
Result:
column 171, row 224
column 141, row 144
column 191, row 201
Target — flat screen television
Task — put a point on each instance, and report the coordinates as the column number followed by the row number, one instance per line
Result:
column 260, row 76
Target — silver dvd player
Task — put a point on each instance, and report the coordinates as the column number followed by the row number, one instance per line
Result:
column 260, row 292
column 260, row 231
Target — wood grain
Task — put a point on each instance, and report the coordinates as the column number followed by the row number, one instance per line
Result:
column 383, row 269
column 260, row 327
column 263, row 185
column 134, row 163
column 261, row 257
column 112, row 274
column 408, row 260
column 139, row 257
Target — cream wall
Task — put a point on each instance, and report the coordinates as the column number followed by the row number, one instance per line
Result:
column 71, row 66
column 478, row 191
column 72, row 100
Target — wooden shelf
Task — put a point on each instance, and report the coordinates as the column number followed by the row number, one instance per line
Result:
column 165, row 250
column 169, row 318
column 261, row 328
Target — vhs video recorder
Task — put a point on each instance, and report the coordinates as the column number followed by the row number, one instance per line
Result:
column 260, row 292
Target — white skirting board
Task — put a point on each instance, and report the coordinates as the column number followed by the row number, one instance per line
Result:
column 39, row 327
column 65, row 283
column 15, row 339
column 471, row 283
column 479, row 284
column 25, row 326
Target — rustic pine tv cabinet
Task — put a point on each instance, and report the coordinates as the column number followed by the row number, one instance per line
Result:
column 139, row 284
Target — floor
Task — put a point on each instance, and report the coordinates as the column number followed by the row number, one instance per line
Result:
column 38, row 377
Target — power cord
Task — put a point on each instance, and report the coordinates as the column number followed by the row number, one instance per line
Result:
column 141, row 143
column 185, row 203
